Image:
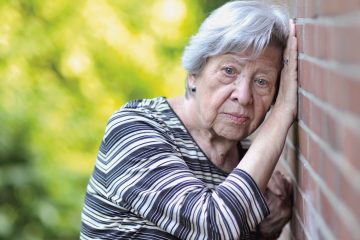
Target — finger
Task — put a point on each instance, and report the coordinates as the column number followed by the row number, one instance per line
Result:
column 280, row 185
column 286, row 186
column 291, row 27
column 291, row 44
column 278, row 178
column 291, row 35
column 293, row 39
column 293, row 48
column 273, row 185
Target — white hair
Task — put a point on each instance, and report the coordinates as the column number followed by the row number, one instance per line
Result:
column 237, row 26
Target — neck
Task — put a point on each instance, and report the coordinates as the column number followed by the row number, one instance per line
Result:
column 222, row 152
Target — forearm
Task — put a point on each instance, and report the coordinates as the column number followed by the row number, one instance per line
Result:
column 263, row 154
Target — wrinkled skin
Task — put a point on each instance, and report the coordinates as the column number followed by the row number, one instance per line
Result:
column 278, row 197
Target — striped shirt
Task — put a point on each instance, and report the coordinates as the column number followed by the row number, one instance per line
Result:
column 152, row 181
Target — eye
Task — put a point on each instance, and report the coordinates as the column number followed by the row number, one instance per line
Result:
column 262, row 82
column 229, row 71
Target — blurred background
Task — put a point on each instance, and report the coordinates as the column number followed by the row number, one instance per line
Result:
column 65, row 67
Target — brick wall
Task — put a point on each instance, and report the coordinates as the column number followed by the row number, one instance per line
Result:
column 321, row 153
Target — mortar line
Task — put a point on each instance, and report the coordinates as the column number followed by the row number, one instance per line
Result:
column 345, row 214
column 347, row 69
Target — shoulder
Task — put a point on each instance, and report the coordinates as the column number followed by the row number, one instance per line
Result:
column 137, row 109
column 152, row 104
column 139, row 115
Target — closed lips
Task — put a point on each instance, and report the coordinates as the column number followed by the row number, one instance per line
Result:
column 238, row 118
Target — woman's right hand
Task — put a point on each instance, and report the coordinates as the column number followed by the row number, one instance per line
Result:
column 286, row 101
column 278, row 197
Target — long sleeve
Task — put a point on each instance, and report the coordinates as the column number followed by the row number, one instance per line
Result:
column 140, row 168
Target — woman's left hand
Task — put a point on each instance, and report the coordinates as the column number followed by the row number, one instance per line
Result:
column 286, row 101
column 278, row 195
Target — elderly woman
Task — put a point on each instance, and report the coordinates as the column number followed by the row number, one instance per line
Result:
column 177, row 168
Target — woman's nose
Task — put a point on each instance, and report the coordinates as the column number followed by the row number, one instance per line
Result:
column 242, row 92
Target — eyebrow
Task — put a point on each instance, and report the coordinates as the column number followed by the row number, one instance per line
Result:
column 230, row 58
column 264, row 70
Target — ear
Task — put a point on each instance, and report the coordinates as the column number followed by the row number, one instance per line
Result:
column 191, row 80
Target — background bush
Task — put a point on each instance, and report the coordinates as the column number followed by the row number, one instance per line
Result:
column 65, row 67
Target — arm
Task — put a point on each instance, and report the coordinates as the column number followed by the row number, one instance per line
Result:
column 268, row 144
column 150, row 178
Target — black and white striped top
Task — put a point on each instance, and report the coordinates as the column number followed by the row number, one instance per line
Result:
column 152, row 181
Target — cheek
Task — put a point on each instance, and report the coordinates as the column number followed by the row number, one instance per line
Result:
column 213, row 103
column 262, row 106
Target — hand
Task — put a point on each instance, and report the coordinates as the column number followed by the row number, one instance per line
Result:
column 278, row 197
column 286, row 101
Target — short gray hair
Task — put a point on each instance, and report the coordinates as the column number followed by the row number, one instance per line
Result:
column 237, row 26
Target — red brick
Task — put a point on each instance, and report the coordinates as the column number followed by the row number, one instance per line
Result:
column 344, row 231
column 311, row 225
column 331, row 86
column 337, row 89
column 299, row 32
column 323, row 41
column 311, row 8
column 350, row 147
column 296, row 228
column 327, row 211
column 316, row 116
column 303, row 143
column 299, row 175
column 303, row 178
column 317, row 79
column 321, row 235
column 346, row 39
column 311, row 189
column 326, row 126
column 349, row 194
column 336, row 7
column 309, row 46
column 332, row 42
column 331, row 174
column 292, row 160
column 300, row 13
column 304, row 74
column 347, row 92
column 315, row 156
column 353, row 97
column 331, row 131
column 304, row 107
column 312, row 78
column 299, row 203
column 327, row 41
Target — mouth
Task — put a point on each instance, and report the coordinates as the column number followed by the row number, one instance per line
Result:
column 236, row 118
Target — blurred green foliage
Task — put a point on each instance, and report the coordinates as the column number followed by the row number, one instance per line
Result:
column 65, row 66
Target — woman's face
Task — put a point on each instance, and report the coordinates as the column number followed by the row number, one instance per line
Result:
column 233, row 93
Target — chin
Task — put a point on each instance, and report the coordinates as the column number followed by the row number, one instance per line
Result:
column 233, row 135
column 233, row 132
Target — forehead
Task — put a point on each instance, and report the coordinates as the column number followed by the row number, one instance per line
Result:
column 269, row 59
